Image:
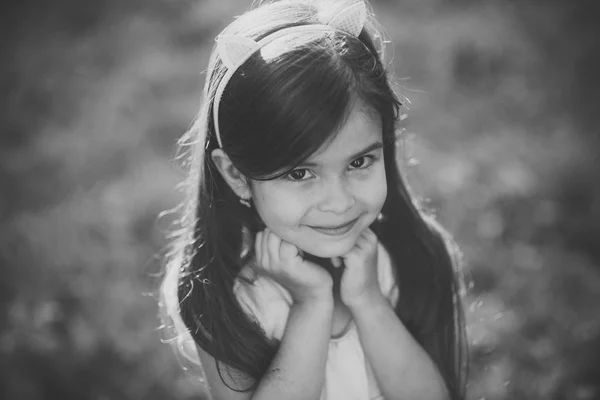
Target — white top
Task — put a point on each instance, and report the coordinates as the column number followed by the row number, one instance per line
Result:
column 348, row 374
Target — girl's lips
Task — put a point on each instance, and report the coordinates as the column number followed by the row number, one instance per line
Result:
column 337, row 230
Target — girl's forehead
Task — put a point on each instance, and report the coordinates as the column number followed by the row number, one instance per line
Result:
column 359, row 134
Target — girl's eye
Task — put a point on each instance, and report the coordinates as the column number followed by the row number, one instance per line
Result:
column 297, row 175
column 362, row 162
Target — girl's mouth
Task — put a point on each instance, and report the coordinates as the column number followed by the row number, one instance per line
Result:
column 335, row 230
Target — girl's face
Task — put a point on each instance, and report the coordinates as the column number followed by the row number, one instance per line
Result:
column 324, row 204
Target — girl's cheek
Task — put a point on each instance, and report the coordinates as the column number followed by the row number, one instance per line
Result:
column 288, row 214
column 373, row 192
column 281, row 207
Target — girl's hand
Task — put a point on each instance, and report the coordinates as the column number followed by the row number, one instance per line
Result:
column 282, row 261
column 360, row 280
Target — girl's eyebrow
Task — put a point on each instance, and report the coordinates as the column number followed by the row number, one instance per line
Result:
column 373, row 146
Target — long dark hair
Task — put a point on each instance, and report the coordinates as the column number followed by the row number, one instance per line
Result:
column 282, row 105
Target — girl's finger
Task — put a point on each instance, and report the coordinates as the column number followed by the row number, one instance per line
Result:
column 288, row 251
column 258, row 247
column 265, row 249
column 274, row 243
column 349, row 254
column 370, row 235
column 362, row 242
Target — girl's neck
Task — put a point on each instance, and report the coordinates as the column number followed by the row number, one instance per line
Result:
column 336, row 273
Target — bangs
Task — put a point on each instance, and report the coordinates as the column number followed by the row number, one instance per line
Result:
column 288, row 104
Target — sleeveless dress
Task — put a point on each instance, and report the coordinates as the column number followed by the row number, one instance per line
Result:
column 348, row 374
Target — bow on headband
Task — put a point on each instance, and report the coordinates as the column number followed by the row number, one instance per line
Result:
column 235, row 50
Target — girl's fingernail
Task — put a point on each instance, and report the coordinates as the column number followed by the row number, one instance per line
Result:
column 336, row 261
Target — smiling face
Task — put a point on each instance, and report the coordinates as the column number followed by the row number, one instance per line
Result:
column 324, row 204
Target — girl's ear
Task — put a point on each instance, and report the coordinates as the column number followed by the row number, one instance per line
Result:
column 234, row 178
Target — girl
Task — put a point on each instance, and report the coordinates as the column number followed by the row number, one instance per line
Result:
column 304, row 270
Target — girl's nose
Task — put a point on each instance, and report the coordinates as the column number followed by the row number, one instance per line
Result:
column 337, row 197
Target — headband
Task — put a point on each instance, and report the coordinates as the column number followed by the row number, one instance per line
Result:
column 234, row 51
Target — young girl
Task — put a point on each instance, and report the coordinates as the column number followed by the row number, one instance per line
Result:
column 304, row 270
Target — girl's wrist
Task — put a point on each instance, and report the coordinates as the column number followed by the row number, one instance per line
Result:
column 323, row 298
column 366, row 302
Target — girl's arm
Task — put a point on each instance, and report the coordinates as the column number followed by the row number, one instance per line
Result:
column 402, row 367
column 298, row 369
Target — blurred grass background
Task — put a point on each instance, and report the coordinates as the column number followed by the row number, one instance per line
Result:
column 504, row 114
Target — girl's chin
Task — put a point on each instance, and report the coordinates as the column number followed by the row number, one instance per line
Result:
column 330, row 251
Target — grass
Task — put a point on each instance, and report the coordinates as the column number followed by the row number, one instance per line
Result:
column 98, row 97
